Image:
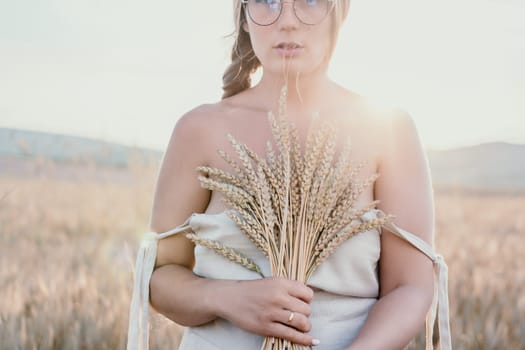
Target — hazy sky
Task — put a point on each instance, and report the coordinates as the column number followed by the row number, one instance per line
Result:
column 124, row 71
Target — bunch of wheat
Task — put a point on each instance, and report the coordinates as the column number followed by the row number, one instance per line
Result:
column 296, row 207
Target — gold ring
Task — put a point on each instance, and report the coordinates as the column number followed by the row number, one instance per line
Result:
column 290, row 318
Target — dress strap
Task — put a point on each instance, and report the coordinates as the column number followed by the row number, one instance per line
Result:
column 138, row 328
column 440, row 300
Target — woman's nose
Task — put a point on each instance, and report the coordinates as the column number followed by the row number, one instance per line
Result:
column 288, row 19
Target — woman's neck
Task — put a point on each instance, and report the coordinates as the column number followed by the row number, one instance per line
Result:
column 305, row 93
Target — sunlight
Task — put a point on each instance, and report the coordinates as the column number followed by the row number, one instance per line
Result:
column 446, row 74
column 140, row 68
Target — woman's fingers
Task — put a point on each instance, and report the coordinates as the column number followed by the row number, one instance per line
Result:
column 295, row 319
column 301, row 291
column 264, row 307
column 279, row 330
column 298, row 305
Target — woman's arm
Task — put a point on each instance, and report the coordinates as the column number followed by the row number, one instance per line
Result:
column 175, row 291
column 406, row 275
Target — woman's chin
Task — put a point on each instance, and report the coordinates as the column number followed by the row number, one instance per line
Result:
column 290, row 68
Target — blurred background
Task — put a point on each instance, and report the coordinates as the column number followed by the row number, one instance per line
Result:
column 90, row 92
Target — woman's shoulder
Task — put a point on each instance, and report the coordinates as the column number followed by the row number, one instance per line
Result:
column 391, row 120
column 396, row 132
column 388, row 125
column 381, row 115
column 195, row 127
column 201, row 122
column 205, row 125
column 201, row 116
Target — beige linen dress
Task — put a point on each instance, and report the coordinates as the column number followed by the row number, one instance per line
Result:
column 346, row 286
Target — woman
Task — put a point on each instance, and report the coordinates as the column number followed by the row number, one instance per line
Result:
column 362, row 307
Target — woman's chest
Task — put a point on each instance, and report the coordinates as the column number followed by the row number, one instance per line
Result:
column 300, row 145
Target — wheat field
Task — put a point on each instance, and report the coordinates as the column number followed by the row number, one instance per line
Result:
column 68, row 243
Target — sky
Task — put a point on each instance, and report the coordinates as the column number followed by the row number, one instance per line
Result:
column 125, row 70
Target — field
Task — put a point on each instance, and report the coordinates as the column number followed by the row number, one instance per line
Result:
column 67, row 246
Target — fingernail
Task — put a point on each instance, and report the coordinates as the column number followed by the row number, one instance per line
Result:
column 316, row 342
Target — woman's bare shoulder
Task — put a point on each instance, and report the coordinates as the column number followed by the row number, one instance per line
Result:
column 386, row 123
column 384, row 117
column 199, row 126
column 190, row 146
column 202, row 117
column 395, row 133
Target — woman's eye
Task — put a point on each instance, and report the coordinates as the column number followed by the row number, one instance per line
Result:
column 268, row 2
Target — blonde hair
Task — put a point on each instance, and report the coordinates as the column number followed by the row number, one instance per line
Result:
column 244, row 62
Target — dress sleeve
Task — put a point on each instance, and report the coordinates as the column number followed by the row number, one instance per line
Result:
column 138, row 328
column 440, row 301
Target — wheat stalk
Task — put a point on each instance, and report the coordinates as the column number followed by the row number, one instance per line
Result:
column 296, row 207
column 229, row 253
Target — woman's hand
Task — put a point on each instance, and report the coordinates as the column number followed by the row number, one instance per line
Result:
column 264, row 307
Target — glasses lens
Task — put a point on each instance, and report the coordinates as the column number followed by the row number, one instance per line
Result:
column 311, row 11
column 264, row 12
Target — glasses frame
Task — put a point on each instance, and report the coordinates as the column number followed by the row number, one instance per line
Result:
column 245, row 5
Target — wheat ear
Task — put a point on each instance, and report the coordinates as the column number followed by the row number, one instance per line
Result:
column 227, row 252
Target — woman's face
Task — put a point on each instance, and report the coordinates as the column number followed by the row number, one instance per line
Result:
column 305, row 47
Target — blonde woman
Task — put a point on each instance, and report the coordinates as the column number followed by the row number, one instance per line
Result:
column 376, row 292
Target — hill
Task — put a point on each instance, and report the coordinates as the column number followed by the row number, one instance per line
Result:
column 498, row 166
column 25, row 144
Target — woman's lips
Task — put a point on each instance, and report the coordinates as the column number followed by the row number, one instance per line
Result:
column 288, row 48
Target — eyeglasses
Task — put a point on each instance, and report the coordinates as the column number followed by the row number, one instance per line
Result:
column 267, row 12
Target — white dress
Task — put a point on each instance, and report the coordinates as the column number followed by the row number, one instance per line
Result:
column 345, row 286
